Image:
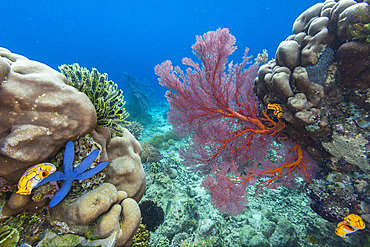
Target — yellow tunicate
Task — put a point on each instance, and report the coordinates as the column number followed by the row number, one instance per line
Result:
column 351, row 223
column 278, row 111
column 33, row 176
column 355, row 221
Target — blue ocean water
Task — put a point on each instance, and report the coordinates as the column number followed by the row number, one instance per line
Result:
column 133, row 36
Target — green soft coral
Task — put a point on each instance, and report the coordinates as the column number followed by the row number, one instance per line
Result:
column 360, row 31
column 104, row 94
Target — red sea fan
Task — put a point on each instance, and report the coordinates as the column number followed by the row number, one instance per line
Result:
column 215, row 106
column 224, row 195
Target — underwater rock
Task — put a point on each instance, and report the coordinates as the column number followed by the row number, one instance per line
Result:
column 353, row 64
column 352, row 149
column 331, row 200
column 179, row 238
column 150, row 153
column 39, row 113
column 172, row 173
column 17, row 203
column 71, row 240
column 267, row 227
column 206, row 227
column 284, row 234
column 249, row 237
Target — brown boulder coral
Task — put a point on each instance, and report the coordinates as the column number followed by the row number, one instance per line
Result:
column 118, row 214
column 110, row 204
column 115, row 201
column 315, row 67
column 353, row 61
column 39, row 113
column 125, row 169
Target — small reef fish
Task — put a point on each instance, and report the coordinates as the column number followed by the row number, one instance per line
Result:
column 278, row 111
column 33, row 176
column 351, row 223
column 168, row 208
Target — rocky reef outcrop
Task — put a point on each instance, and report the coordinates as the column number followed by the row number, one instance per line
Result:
column 320, row 77
column 323, row 64
column 39, row 113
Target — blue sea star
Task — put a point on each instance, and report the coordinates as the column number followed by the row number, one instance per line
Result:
column 70, row 174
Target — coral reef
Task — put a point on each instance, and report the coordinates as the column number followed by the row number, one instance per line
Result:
column 123, row 188
column 321, row 78
column 28, row 88
column 107, row 202
column 104, row 94
column 135, row 129
column 315, row 91
column 150, row 153
column 71, row 173
column 39, row 113
column 233, row 146
column 317, row 62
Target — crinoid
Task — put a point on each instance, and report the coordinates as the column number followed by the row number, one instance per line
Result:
column 104, row 94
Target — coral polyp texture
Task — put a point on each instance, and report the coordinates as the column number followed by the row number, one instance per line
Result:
column 103, row 93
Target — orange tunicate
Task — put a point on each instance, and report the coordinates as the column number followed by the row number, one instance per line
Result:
column 355, row 221
column 351, row 223
column 278, row 111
